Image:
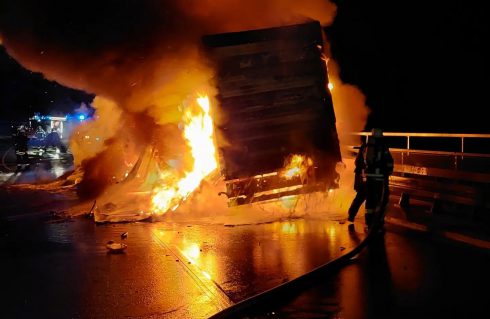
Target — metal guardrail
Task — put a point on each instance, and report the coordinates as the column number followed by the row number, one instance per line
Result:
column 426, row 163
column 456, row 184
column 429, row 152
column 439, row 135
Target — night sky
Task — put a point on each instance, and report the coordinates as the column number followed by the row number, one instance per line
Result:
column 423, row 67
column 23, row 92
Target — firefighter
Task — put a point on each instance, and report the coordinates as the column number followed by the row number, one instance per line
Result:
column 379, row 167
column 359, row 184
column 53, row 140
column 40, row 133
column 374, row 165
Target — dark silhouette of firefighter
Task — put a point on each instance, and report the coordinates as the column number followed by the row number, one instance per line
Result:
column 21, row 141
column 40, row 133
column 359, row 184
column 374, row 165
column 53, row 140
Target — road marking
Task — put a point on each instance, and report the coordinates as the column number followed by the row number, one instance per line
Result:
column 202, row 279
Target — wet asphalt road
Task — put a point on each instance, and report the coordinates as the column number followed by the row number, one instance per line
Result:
column 63, row 270
column 400, row 275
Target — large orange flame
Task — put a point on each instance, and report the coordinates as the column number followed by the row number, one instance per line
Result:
column 198, row 133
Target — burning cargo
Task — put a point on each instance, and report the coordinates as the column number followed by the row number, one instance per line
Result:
column 276, row 134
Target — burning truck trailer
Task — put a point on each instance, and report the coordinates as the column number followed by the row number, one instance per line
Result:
column 276, row 134
column 274, row 127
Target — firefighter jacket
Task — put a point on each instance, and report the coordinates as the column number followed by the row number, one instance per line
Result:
column 377, row 159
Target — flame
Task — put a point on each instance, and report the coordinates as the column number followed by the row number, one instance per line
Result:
column 296, row 165
column 198, row 133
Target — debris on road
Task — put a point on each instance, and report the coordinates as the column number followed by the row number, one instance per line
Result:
column 90, row 213
column 116, row 248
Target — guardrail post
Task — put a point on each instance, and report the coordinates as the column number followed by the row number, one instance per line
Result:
column 404, row 201
column 408, row 142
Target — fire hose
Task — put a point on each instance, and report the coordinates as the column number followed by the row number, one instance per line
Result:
column 302, row 282
column 3, row 160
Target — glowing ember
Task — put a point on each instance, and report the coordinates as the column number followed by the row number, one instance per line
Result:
column 198, row 133
column 296, row 165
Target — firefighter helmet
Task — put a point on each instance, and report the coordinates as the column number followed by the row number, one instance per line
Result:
column 377, row 132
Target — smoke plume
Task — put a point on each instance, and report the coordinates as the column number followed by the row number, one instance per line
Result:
column 140, row 58
column 349, row 106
